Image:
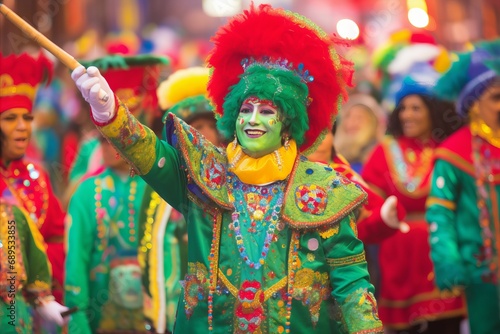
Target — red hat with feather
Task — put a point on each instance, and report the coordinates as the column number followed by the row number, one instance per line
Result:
column 279, row 41
column 20, row 76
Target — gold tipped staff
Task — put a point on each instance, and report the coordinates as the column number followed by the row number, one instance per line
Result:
column 44, row 42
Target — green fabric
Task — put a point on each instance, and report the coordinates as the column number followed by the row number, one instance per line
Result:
column 15, row 316
column 83, row 159
column 483, row 308
column 117, row 61
column 455, row 235
column 190, row 108
column 91, row 255
column 334, row 261
column 456, row 243
column 21, row 322
column 174, row 254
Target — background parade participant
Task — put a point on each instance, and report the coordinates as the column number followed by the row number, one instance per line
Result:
column 22, row 179
column 103, row 223
column 25, row 273
column 462, row 208
column 401, row 166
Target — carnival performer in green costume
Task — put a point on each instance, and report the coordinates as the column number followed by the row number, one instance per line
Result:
column 25, row 273
column 163, row 234
column 463, row 205
column 276, row 251
column 104, row 277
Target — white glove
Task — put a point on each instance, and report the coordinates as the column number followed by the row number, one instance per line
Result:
column 51, row 311
column 94, row 87
column 389, row 214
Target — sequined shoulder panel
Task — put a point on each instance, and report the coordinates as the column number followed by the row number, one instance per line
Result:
column 318, row 196
column 205, row 163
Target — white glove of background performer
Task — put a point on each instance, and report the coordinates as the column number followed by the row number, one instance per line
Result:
column 389, row 214
column 89, row 84
column 51, row 311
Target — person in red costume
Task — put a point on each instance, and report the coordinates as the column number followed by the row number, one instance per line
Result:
column 22, row 181
column 401, row 166
column 379, row 218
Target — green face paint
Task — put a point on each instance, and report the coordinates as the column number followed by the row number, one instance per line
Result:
column 258, row 127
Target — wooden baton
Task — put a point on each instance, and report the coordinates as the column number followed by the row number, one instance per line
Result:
column 44, row 42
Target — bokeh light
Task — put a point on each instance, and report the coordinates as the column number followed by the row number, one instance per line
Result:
column 418, row 17
column 348, row 29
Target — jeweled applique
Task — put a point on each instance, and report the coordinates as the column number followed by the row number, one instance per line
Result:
column 195, row 286
column 311, row 198
column 212, row 171
column 312, row 288
column 249, row 311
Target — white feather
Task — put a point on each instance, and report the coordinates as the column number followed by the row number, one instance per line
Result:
column 412, row 54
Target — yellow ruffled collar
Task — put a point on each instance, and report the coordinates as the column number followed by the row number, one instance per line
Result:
column 478, row 127
column 275, row 166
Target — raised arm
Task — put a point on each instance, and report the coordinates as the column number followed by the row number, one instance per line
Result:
column 155, row 160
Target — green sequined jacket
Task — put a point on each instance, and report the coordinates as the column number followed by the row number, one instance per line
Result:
column 314, row 279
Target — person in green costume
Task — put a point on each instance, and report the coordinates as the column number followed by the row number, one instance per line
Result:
column 276, row 249
column 163, row 245
column 104, row 277
column 464, row 201
column 25, row 273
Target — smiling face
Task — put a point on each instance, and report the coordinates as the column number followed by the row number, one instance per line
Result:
column 415, row 118
column 258, row 127
column 15, row 125
column 489, row 106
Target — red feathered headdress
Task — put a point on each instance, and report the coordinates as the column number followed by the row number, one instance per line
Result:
column 20, row 76
column 268, row 34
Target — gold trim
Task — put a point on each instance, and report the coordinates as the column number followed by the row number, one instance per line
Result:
column 378, row 330
column 267, row 293
column 455, row 159
column 426, row 296
column 8, row 88
column 153, row 255
column 347, row 261
column 433, row 317
column 442, row 202
column 479, row 128
column 216, row 246
column 419, row 191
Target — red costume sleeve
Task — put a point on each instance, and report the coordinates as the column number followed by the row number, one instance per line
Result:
column 376, row 172
column 371, row 227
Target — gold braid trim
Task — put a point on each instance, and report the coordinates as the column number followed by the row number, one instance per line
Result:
column 440, row 201
column 8, row 88
column 267, row 294
column 347, row 261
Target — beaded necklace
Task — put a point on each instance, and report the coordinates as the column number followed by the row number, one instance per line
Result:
column 36, row 184
column 410, row 168
column 100, row 213
column 255, row 207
